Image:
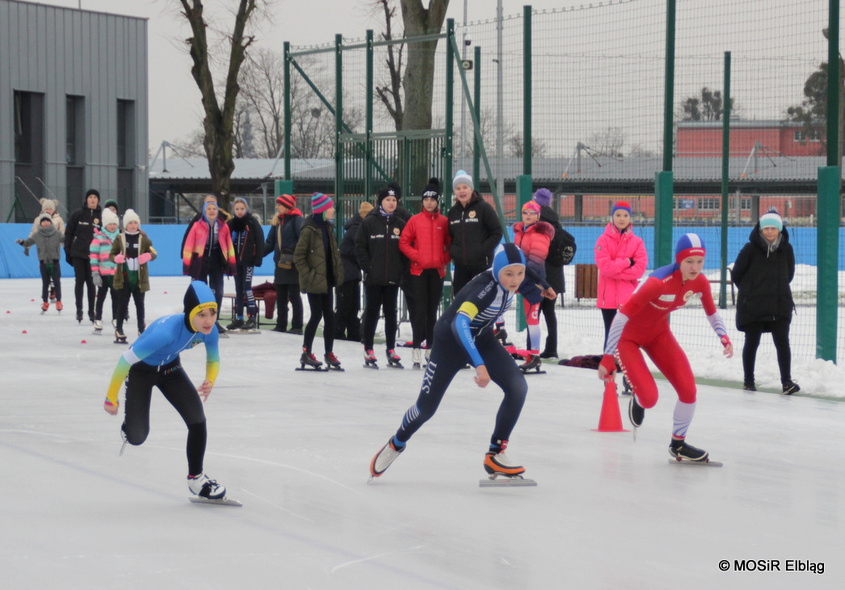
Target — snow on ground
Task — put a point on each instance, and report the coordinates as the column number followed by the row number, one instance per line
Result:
column 295, row 447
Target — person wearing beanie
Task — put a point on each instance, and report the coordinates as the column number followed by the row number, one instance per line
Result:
column 474, row 229
column 317, row 260
column 48, row 242
column 248, row 241
column 208, row 253
column 131, row 250
column 286, row 228
column 383, row 265
column 347, row 322
column 111, row 204
column 561, row 251
column 642, row 325
column 763, row 272
column 78, row 235
column 621, row 258
column 533, row 237
column 464, row 334
column 425, row 242
column 51, row 208
column 103, row 269
column 153, row 360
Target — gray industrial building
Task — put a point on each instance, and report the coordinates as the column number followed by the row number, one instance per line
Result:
column 73, row 108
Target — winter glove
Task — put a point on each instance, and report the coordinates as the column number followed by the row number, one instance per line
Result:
column 19, row 242
column 144, row 258
column 120, row 258
column 98, row 280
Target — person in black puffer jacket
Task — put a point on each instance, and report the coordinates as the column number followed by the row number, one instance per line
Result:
column 762, row 272
column 78, row 236
column 378, row 254
column 554, row 275
column 475, row 231
column 248, row 241
column 347, row 323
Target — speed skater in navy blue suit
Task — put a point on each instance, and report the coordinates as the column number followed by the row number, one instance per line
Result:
column 464, row 334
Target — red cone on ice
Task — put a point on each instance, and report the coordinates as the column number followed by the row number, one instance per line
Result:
column 84, row 342
column 611, row 418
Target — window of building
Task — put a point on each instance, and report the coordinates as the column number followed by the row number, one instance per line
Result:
column 74, row 130
column 803, row 136
column 125, row 133
column 709, row 204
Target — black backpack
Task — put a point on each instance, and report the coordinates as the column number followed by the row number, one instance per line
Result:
column 562, row 248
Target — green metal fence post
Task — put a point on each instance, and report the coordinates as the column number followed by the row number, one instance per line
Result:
column 664, row 184
column 476, row 149
column 338, row 129
column 368, row 158
column 830, row 182
column 287, row 109
column 726, row 151
column 450, row 105
column 526, row 90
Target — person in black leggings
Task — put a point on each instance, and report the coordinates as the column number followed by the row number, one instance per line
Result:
column 464, row 334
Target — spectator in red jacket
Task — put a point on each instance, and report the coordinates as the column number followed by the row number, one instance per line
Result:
column 425, row 241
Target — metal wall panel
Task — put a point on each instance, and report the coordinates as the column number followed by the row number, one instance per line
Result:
column 59, row 51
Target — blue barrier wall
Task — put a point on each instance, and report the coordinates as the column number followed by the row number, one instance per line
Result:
column 167, row 240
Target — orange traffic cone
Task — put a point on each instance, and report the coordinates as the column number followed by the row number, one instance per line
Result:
column 610, row 419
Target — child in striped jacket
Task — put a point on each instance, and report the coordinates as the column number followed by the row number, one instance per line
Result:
column 103, row 269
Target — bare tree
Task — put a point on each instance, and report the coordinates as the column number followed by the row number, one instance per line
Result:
column 263, row 90
column 219, row 114
column 515, row 145
column 390, row 93
column 608, row 142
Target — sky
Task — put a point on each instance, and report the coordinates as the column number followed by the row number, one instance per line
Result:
column 175, row 110
column 608, row 511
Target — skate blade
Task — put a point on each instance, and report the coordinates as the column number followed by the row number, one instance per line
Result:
column 338, row 369
column 244, row 332
column 367, row 366
column 707, row 463
column 532, row 372
column 221, row 502
column 315, row 369
column 503, row 481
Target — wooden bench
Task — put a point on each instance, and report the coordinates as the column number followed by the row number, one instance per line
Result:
column 586, row 281
column 259, row 300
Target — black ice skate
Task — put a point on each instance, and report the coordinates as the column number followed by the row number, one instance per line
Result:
column 636, row 413
column 370, row 361
column 236, row 324
column 79, row 316
column 790, row 387
column 119, row 337
column 309, row 362
column 532, row 364
column 384, row 458
column 250, row 325
column 688, row 454
column 332, row 362
column 393, row 359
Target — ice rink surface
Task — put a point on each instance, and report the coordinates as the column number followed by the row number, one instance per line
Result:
column 295, row 447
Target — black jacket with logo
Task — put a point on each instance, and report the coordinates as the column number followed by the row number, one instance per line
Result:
column 377, row 249
column 475, row 231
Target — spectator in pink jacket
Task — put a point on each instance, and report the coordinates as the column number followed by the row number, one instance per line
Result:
column 622, row 259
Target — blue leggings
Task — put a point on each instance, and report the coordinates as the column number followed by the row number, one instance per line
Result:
column 447, row 358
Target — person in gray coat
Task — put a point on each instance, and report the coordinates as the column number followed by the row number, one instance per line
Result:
column 48, row 241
